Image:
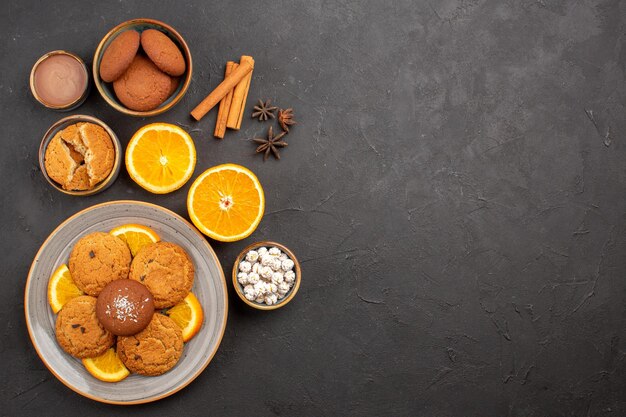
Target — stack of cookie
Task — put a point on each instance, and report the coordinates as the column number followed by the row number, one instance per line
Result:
column 121, row 297
column 144, row 68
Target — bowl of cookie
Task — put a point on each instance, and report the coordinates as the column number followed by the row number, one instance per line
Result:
column 80, row 155
column 142, row 67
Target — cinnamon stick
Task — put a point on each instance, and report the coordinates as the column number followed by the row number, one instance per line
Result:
column 239, row 98
column 242, row 109
column 222, row 90
column 222, row 113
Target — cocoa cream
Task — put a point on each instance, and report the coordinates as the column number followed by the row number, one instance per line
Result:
column 60, row 80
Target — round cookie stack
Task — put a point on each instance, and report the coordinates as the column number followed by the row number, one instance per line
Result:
column 121, row 295
column 144, row 68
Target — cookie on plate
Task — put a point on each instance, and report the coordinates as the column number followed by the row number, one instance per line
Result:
column 163, row 52
column 153, row 351
column 167, row 271
column 95, row 145
column 97, row 259
column 143, row 86
column 78, row 330
column 118, row 55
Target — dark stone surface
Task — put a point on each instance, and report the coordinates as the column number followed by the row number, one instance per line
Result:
column 455, row 189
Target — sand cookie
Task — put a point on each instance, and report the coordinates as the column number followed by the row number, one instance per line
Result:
column 153, row 351
column 143, row 86
column 97, row 259
column 79, row 332
column 118, row 55
column 167, row 271
column 80, row 156
column 163, row 52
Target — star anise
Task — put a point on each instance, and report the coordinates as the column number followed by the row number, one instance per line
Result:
column 263, row 111
column 271, row 144
column 285, row 118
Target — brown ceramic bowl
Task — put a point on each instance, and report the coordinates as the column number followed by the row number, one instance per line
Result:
column 106, row 89
column 292, row 292
column 62, row 124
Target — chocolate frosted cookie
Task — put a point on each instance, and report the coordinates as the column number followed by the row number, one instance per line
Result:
column 143, row 86
column 167, row 271
column 153, row 351
column 78, row 330
column 125, row 307
column 97, row 259
column 163, row 52
column 118, row 55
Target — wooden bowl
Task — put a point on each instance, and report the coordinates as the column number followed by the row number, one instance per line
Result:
column 292, row 292
column 62, row 124
column 106, row 89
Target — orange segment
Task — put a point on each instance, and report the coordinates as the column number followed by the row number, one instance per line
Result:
column 226, row 202
column 136, row 236
column 107, row 367
column 188, row 315
column 61, row 288
column 161, row 157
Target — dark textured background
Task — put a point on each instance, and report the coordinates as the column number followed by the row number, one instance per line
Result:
column 455, row 189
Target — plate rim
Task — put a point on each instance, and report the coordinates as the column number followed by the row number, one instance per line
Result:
column 27, row 286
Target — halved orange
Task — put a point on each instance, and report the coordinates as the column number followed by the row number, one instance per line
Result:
column 188, row 315
column 61, row 288
column 107, row 367
column 136, row 236
column 161, row 157
column 226, row 202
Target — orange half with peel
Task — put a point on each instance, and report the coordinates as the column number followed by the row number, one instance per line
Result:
column 226, row 202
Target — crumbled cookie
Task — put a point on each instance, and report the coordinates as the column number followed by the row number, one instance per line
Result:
column 143, row 86
column 78, row 330
column 166, row 269
column 80, row 156
column 118, row 55
column 153, row 351
column 163, row 52
column 97, row 259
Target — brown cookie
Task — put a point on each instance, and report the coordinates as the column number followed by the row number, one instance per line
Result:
column 163, row 52
column 97, row 259
column 118, row 55
column 153, row 351
column 78, row 330
column 95, row 145
column 167, row 271
column 59, row 161
column 125, row 307
column 143, row 86
column 173, row 86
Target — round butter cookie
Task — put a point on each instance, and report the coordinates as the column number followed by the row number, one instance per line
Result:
column 167, row 271
column 97, row 259
column 78, row 330
column 154, row 350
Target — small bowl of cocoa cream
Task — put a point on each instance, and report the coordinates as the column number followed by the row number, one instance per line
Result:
column 59, row 80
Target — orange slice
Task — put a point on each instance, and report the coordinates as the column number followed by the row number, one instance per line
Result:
column 107, row 367
column 61, row 288
column 161, row 157
column 188, row 315
column 226, row 202
column 136, row 236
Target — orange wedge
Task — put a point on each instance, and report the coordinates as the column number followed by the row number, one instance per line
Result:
column 226, row 202
column 188, row 315
column 107, row 367
column 61, row 288
column 161, row 157
column 136, row 236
